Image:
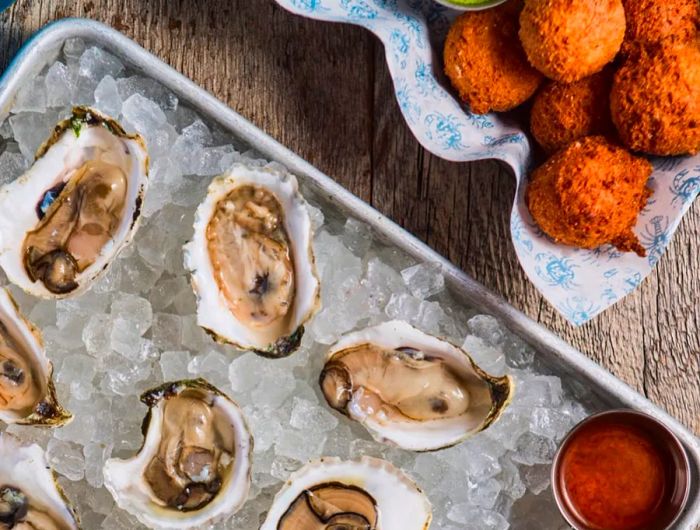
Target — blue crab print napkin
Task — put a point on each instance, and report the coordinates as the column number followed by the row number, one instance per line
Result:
column 578, row 283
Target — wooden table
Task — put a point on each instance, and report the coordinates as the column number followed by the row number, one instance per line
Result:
column 324, row 91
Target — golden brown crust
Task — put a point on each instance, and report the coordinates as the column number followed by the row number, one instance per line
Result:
column 568, row 40
column 564, row 112
column 590, row 194
column 485, row 62
column 655, row 99
column 651, row 21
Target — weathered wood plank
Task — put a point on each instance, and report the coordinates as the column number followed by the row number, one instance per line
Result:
column 324, row 91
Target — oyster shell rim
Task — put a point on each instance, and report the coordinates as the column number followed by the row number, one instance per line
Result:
column 152, row 398
column 365, row 463
column 10, row 441
column 81, row 115
column 501, row 388
column 287, row 344
column 60, row 416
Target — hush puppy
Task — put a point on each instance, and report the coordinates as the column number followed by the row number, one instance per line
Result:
column 655, row 99
column 651, row 21
column 568, row 40
column 564, row 112
column 590, row 194
column 485, row 62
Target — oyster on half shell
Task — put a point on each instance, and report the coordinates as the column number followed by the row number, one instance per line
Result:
column 64, row 221
column 411, row 389
column 251, row 261
column 194, row 467
column 27, row 393
column 365, row 494
column 30, row 497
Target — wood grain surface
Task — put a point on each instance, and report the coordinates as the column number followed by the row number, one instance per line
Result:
column 324, row 91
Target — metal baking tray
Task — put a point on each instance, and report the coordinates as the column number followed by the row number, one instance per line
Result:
column 569, row 362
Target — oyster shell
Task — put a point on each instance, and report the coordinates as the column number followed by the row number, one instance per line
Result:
column 27, row 393
column 67, row 217
column 411, row 389
column 365, row 494
column 30, row 497
column 251, row 261
column 195, row 464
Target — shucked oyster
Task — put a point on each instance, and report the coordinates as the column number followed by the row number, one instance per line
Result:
column 195, row 463
column 30, row 497
column 411, row 389
column 366, row 494
column 251, row 261
column 67, row 217
column 27, row 394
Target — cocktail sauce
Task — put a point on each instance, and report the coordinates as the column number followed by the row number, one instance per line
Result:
column 617, row 474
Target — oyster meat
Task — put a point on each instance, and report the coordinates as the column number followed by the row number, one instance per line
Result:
column 67, row 217
column 30, row 497
column 251, row 261
column 411, row 389
column 365, row 494
column 195, row 464
column 27, row 393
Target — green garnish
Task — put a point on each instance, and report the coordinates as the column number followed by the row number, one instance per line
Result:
column 76, row 124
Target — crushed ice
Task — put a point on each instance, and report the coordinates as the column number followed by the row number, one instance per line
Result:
column 136, row 328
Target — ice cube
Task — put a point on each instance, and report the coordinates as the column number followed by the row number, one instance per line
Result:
column 477, row 518
column 133, row 309
column 357, row 237
column 486, row 356
column 167, row 331
column 31, row 96
column 282, row 467
column 150, row 121
column 31, row 129
column 299, row 446
column 173, row 365
column 66, row 459
column 198, row 133
column 308, row 416
column 316, row 216
column 403, row 307
column 95, row 457
column 534, row 449
column 537, row 478
column 488, row 328
column 60, row 85
column 484, row 493
column 12, row 165
column 243, row 372
column 78, row 371
column 96, row 63
column 550, row 423
column 424, row 280
column 107, row 97
column 73, row 48
column 148, row 88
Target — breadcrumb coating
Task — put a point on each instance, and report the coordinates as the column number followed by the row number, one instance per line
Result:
column 655, row 99
column 590, row 194
column 568, row 40
column 564, row 112
column 485, row 61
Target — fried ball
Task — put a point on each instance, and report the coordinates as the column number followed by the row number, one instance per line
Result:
column 564, row 112
column 590, row 194
column 655, row 99
column 651, row 21
column 568, row 40
column 485, row 62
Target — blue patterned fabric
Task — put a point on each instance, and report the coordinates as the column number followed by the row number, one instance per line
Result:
column 579, row 283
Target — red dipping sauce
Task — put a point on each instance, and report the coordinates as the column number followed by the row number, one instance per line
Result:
column 621, row 470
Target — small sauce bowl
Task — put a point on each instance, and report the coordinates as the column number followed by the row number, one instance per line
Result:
column 478, row 6
column 621, row 470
